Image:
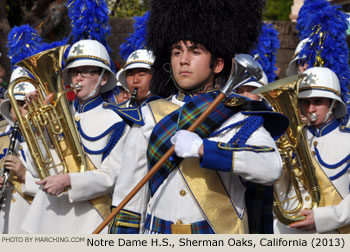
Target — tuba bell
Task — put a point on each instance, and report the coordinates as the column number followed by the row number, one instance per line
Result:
column 298, row 163
column 49, row 130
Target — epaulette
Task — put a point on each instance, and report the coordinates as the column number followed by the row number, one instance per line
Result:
column 344, row 129
column 130, row 115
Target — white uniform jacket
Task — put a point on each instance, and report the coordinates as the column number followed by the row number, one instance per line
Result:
column 72, row 212
column 14, row 205
column 332, row 151
column 172, row 201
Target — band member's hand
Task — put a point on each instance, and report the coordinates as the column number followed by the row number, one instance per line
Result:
column 55, row 184
column 307, row 223
column 15, row 165
column 187, row 144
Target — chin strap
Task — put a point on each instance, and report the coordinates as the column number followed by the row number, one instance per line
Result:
column 97, row 87
column 330, row 112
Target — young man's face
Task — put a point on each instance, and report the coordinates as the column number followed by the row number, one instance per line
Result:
column 191, row 66
column 318, row 106
column 139, row 78
column 87, row 76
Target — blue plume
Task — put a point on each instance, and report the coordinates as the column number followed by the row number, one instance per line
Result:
column 267, row 47
column 136, row 40
column 89, row 20
column 325, row 25
column 304, row 22
column 327, row 45
column 23, row 41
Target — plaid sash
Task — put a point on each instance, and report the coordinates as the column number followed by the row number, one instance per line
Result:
column 182, row 118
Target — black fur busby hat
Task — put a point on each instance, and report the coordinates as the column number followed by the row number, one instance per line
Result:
column 223, row 27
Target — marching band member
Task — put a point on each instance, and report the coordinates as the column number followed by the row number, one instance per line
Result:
column 321, row 104
column 76, row 202
column 190, row 62
column 298, row 63
column 102, row 135
column 121, row 95
column 323, row 95
column 258, row 198
column 136, row 76
column 20, row 188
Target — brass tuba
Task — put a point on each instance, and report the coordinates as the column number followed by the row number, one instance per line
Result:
column 298, row 162
column 53, row 122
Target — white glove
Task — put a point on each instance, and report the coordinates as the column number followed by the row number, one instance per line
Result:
column 186, row 143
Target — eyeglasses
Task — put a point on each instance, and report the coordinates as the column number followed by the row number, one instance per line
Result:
column 84, row 73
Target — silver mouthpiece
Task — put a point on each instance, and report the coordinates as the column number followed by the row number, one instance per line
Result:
column 78, row 86
column 313, row 117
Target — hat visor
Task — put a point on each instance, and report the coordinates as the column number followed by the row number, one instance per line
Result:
column 292, row 67
column 339, row 111
column 253, row 84
column 122, row 74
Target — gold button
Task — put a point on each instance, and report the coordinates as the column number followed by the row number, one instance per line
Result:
column 77, row 118
column 315, row 143
column 179, row 222
column 20, row 147
column 182, row 192
column 307, row 198
column 314, row 153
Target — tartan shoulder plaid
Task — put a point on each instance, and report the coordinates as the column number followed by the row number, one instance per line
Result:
column 182, row 118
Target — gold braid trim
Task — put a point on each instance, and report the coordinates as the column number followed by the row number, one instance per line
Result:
column 138, row 61
column 87, row 56
column 320, row 87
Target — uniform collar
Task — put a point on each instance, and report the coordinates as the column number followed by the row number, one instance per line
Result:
column 186, row 96
column 325, row 129
column 88, row 104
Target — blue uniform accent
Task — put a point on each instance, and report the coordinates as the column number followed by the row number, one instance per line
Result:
column 274, row 123
column 6, row 133
column 214, row 149
column 344, row 129
column 325, row 129
column 131, row 115
column 3, row 154
column 116, row 130
column 160, row 226
column 88, row 104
